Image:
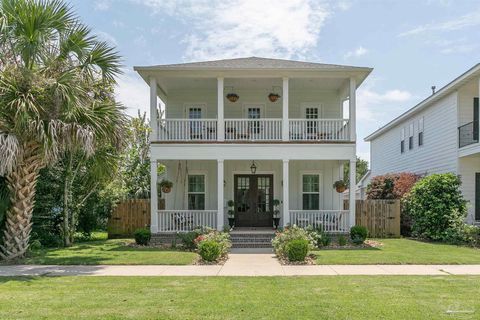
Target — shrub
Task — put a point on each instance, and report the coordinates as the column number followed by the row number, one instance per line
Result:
column 289, row 234
column 342, row 240
column 35, row 245
column 222, row 240
column 209, row 250
column 297, row 249
column 392, row 185
column 471, row 235
column 358, row 234
column 142, row 236
column 188, row 238
column 437, row 208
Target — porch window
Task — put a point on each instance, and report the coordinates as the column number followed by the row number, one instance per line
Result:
column 254, row 113
column 310, row 192
column 312, row 126
column 196, row 192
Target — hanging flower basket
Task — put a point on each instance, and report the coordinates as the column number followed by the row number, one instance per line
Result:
column 232, row 97
column 273, row 97
column 340, row 186
column 166, row 186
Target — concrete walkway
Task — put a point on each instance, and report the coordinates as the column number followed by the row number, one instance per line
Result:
column 239, row 264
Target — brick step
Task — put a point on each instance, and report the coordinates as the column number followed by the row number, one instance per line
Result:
column 251, row 245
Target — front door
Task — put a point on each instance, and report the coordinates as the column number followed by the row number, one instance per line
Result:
column 253, row 200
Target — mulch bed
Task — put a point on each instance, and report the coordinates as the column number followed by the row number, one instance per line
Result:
column 221, row 261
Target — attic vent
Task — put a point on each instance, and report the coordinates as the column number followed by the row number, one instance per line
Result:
column 433, row 89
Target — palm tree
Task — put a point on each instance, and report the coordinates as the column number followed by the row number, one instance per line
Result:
column 50, row 70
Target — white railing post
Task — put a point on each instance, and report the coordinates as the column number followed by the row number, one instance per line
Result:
column 153, row 109
column 352, row 109
column 220, row 117
column 220, row 174
column 153, row 196
column 352, row 192
column 285, row 130
column 286, row 206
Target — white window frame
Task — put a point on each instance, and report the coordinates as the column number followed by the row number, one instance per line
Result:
column 402, row 139
column 421, row 124
column 202, row 106
column 411, row 134
column 320, row 187
column 253, row 105
column 205, row 192
column 306, row 105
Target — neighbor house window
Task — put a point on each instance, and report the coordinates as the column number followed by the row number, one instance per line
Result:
column 196, row 192
column 402, row 141
column 310, row 192
column 410, row 137
column 420, row 131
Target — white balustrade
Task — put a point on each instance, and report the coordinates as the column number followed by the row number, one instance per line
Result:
column 185, row 220
column 331, row 221
column 253, row 129
column 187, row 130
column 319, row 130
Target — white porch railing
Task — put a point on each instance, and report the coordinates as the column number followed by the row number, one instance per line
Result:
column 333, row 221
column 319, row 130
column 185, row 220
column 253, row 129
column 187, row 129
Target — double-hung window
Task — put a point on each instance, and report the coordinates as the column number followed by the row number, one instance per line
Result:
column 420, row 131
column 310, row 192
column 402, row 141
column 196, row 192
column 410, row 137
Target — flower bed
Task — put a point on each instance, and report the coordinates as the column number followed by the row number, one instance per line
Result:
column 211, row 245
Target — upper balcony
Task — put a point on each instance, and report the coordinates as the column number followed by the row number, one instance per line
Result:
column 253, row 100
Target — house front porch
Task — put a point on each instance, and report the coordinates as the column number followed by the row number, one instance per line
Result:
column 251, row 195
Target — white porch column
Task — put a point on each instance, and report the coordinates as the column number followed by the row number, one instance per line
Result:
column 352, row 101
column 153, row 109
column 286, row 187
column 352, row 191
column 153, row 197
column 285, row 121
column 220, row 117
column 220, row 200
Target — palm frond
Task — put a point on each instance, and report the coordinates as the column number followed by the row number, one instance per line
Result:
column 9, row 153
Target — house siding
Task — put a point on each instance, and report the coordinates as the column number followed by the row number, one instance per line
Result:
column 440, row 143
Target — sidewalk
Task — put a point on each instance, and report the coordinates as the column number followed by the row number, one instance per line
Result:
column 238, row 264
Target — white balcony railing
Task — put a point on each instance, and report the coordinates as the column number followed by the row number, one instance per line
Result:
column 319, row 130
column 332, row 221
column 187, row 129
column 185, row 220
column 253, row 129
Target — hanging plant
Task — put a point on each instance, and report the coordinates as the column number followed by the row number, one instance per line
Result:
column 166, row 186
column 232, row 97
column 340, row 186
column 273, row 97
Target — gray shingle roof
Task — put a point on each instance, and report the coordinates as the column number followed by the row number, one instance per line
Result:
column 255, row 63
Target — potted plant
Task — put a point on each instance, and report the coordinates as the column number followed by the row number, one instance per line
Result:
column 166, row 186
column 340, row 186
column 231, row 213
column 276, row 213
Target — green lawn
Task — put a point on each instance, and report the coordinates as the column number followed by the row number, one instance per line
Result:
column 402, row 251
column 109, row 252
column 331, row 297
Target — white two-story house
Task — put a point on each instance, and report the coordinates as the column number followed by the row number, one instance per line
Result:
column 438, row 135
column 252, row 130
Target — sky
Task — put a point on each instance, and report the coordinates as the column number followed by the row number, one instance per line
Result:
column 411, row 44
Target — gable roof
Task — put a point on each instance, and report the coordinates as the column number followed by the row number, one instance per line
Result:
column 251, row 63
column 444, row 91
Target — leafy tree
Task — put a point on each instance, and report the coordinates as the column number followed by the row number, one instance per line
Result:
column 437, row 208
column 50, row 67
column 362, row 168
column 391, row 186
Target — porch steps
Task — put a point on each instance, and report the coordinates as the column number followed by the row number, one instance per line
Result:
column 252, row 239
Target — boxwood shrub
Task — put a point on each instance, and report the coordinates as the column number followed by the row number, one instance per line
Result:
column 209, row 250
column 297, row 249
column 358, row 234
column 142, row 236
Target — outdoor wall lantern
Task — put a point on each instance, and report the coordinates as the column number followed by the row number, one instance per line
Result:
column 232, row 96
column 273, row 96
column 253, row 167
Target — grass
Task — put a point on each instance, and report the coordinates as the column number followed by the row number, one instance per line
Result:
column 331, row 297
column 115, row 251
column 402, row 251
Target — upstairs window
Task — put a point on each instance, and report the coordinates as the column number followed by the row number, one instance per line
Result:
column 402, row 141
column 420, row 132
column 196, row 192
column 410, row 137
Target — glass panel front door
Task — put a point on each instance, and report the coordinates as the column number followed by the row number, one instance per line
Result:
column 253, row 200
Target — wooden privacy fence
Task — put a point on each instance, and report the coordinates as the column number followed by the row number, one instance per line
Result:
column 381, row 217
column 130, row 215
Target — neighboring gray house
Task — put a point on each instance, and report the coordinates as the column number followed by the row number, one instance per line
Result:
column 438, row 135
